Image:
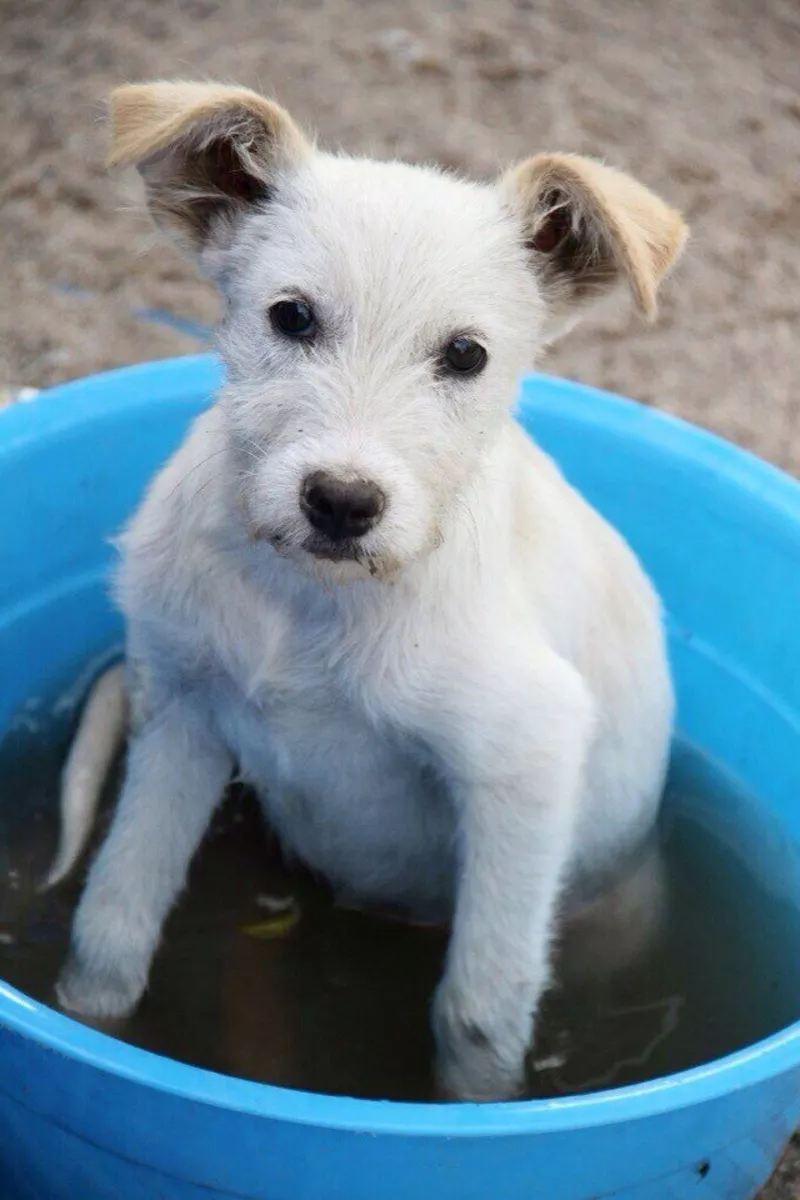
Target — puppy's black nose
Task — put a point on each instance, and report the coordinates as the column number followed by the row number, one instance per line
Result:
column 341, row 508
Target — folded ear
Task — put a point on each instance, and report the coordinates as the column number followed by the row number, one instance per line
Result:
column 207, row 153
column 589, row 228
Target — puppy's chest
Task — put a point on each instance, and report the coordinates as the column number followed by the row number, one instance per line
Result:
column 347, row 792
column 296, row 699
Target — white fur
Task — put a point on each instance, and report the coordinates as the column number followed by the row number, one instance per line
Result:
column 473, row 719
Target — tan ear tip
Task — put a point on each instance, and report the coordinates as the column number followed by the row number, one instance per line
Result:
column 124, row 96
column 647, row 307
column 119, row 102
column 680, row 232
column 133, row 109
column 677, row 235
column 120, row 91
column 116, row 100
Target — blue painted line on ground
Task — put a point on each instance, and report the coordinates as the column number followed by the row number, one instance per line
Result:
column 161, row 316
column 156, row 316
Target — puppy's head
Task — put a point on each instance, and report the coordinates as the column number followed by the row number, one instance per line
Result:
column 378, row 315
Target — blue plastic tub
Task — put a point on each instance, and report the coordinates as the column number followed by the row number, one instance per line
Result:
column 84, row 1117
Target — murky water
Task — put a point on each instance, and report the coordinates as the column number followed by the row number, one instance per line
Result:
column 338, row 1001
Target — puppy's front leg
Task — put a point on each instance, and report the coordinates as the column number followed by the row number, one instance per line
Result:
column 177, row 770
column 516, row 755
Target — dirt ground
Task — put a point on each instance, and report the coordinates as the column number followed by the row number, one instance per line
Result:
column 700, row 98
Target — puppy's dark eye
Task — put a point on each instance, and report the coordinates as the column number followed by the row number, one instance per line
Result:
column 294, row 318
column 464, row 356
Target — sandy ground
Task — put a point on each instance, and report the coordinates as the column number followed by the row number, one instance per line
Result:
column 700, row 98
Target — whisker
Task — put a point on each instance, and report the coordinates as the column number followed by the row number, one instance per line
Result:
column 196, row 467
column 473, row 528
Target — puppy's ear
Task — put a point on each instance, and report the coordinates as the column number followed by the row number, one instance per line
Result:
column 207, row 153
column 589, row 228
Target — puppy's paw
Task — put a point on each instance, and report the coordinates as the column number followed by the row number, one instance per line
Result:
column 480, row 1054
column 102, row 995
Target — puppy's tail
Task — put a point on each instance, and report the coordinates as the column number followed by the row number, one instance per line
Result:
column 100, row 734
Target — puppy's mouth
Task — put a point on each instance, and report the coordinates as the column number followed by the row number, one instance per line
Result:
column 347, row 550
column 349, row 559
column 348, row 555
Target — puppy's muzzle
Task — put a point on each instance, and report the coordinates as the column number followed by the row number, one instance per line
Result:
column 342, row 510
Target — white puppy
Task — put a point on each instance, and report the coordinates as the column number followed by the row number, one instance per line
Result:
column 359, row 584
